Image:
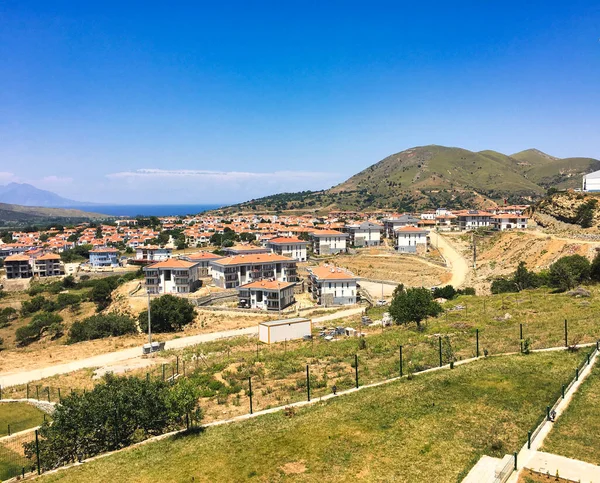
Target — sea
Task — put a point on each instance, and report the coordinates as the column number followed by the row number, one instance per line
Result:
column 146, row 210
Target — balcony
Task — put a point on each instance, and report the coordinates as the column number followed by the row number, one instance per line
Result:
column 182, row 281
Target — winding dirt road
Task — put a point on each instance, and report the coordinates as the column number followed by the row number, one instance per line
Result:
column 458, row 264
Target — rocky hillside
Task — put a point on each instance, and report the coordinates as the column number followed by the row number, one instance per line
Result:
column 568, row 211
column 431, row 176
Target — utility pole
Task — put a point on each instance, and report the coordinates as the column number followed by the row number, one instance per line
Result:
column 149, row 325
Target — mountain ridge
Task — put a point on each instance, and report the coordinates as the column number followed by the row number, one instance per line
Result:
column 433, row 175
column 25, row 194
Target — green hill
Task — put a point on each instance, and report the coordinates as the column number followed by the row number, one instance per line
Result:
column 431, row 176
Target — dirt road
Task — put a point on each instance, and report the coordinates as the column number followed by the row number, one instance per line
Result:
column 135, row 353
column 456, row 262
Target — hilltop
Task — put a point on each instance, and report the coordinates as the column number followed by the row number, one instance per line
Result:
column 17, row 214
column 431, row 176
column 28, row 195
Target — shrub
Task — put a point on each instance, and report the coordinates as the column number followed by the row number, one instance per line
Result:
column 43, row 322
column 169, row 314
column 37, row 303
column 568, row 271
column 467, row 291
column 65, row 299
column 447, row 292
column 101, row 326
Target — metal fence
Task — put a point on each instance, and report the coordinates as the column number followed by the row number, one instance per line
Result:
column 13, row 461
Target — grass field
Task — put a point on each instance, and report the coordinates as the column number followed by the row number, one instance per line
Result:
column 575, row 434
column 20, row 416
column 431, row 428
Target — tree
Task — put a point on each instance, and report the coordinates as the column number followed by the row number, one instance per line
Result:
column 102, row 294
column 41, row 323
column 99, row 232
column 595, row 268
column 44, row 237
column 413, row 305
column 100, row 326
column 447, row 292
column 569, row 271
column 168, row 313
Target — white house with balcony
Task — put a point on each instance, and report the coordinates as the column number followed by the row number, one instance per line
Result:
column 327, row 242
column 410, row 239
column 291, row 247
column 331, row 285
column 366, row 234
column 266, row 295
column 152, row 253
column 507, row 221
column 172, row 276
column 473, row 219
column 231, row 272
column 104, row 257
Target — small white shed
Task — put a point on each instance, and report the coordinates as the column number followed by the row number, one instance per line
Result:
column 286, row 329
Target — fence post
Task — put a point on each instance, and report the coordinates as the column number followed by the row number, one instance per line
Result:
column 48, row 391
column 177, row 364
column 588, row 360
column 477, row 339
column 9, row 429
column 356, row 369
column 577, row 374
column 27, row 390
column 307, row 383
column 521, row 336
column 563, row 391
column 183, row 368
column 163, row 371
column 548, row 413
column 401, row 371
column 0, row 392
column 440, row 350
column 528, row 439
column 37, row 452
column 250, row 392
column 37, row 392
column 566, row 333
column 59, row 398
column 173, row 376
column 515, row 455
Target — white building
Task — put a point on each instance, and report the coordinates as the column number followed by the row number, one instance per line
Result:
column 326, row 242
column 591, row 182
column 231, row 272
column 281, row 330
column 152, row 253
column 331, row 285
column 366, row 234
column 104, row 257
column 507, row 221
column 172, row 276
column 390, row 224
column 409, row 239
column 266, row 295
column 203, row 260
column 473, row 219
column 291, row 247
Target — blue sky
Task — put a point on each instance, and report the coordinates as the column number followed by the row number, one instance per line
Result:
column 200, row 102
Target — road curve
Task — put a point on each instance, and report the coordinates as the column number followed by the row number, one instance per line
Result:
column 458, row 264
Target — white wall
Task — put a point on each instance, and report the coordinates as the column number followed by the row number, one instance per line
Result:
column 411, row 239
column 290, row 331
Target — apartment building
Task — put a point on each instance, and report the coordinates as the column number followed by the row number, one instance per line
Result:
column 291, row 247
column 172, row 276
column 410, row 239
column 390, row 224
column 331, row 285
column 245, row 250
column 152, row 253
column 266, row 295
column 18, row 266
column 507, row 221
column 327, row 242
column 366, row 234
column 104, row 257
column 203, row 260
column 231, row 272
column 48, row 265
column 473, row 219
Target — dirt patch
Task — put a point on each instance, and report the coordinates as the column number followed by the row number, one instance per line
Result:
column 294, row 468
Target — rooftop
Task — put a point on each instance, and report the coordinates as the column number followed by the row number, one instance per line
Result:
column 267, row 285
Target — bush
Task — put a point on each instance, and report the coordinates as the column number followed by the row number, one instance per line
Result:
column 66, row 299
column 569, row 271
column 100, row 326
column 43, row 322
column 7, row 315
column 467, row 291
column 36, row 304
column 413, row 305
column 102, row 294
column 448, row 292
column 169, row 314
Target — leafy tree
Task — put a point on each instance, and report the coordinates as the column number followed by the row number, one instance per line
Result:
column 100, row 326
column 247, row 237
column 413, row 305
column 584, row 215
column 44, row 237
column 447, row 292
column 102, row 294
column 595, row 268
column 41, row 323
column 67, row 299
column 168, row 314
column 569, row 271
column 69, row 282
column 73, row 238
column 118, row 412
column 36, row 304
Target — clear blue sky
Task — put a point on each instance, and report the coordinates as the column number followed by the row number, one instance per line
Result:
column 199, row 102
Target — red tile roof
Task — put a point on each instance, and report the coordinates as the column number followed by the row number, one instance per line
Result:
column 268, row 285
column 326, row 272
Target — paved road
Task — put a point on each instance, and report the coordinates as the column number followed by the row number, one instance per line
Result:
column 16, row 378
column 457, row 263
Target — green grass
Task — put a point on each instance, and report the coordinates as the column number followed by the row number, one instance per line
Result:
column 575, row 433
column 20, row 416
column 431, row 428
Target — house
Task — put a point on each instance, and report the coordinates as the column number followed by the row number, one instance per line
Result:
column 282, row 330
column 326, row 242
column 245, row 250
column 152, row 253
column 473, row 219
column 291, row 247
column 446, row 222
column 172, row 276
column 48, row 265
column 591, row 182
column 331, row 285
column 409, row 239
column 104, row 257
column 507, row 221
column 390, row 224
column 231, row 272
column 18, row 266
column 266, row 295
column 203, row 260
column 366, row 234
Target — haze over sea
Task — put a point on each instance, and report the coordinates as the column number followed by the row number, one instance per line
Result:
column 147, row 210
